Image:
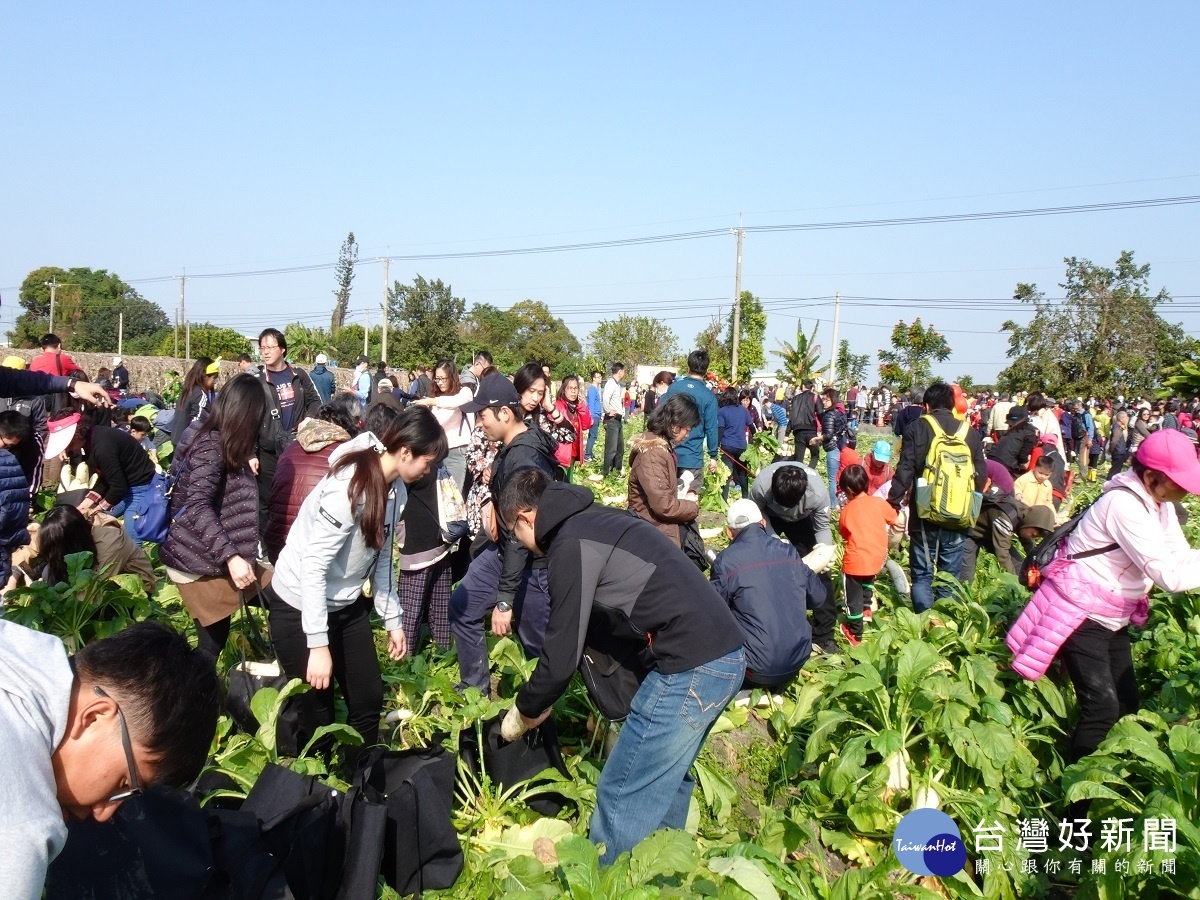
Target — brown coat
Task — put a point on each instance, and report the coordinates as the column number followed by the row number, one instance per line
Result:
column 652, row 485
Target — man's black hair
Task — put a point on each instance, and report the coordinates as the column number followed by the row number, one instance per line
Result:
column 596, row 372
column 245, row 357
column 484, row 357
column 614, row 368
column 140, row 423
column 788, row 485
column 807, row 384
column 522, row 491
column 167, row 691
column 698, row 362
column 51, row 340
column 277, row 334
column 939, row 395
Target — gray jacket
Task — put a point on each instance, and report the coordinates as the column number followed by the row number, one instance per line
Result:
column 814, row 503
column 326, row 560
column 35, row 694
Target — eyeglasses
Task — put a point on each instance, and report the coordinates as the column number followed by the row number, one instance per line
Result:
column 135, row 789
column 441, row 378
column 268, row 346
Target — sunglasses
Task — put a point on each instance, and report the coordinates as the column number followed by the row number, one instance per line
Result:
column 135, row 789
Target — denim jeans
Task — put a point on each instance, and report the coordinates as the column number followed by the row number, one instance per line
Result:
column 832, row 459
column 474, row 599
column 646, row 783
column 591, row 438
column 130, row 500
column 933, row 549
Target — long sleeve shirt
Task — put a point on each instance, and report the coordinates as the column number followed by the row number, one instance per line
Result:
column 610, row 401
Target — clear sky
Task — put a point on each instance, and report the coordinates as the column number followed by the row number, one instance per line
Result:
column 146, row 138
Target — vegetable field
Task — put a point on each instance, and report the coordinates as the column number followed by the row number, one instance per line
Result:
column 798, row 795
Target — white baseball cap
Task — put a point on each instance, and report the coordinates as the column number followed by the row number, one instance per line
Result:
column 322, row 359
column 743, row 513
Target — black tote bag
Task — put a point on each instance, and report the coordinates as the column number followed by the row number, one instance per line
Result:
column 421, row 848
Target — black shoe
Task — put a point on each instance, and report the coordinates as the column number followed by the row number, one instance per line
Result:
column 829, row 648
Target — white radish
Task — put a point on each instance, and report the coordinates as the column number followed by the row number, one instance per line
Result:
column 897, row 765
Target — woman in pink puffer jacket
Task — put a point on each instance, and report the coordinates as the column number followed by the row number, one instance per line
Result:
column 1097, row 585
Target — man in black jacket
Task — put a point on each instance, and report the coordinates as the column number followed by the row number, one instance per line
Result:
column 614, row 576
column 291, row 398
column 502, row 579
column 934, row 547
column 802, row 419
column 910, row 413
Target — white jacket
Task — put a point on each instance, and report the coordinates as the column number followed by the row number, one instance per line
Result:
column 326, row 560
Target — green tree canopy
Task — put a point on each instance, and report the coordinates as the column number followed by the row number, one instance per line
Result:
column 207, row 340
column 633, row 340
column 910, row 360
column 800, row 361
column 424, row 318
column 305, row 343
column 526, row 331
column 1104, row 337
column 753, row 328
column 851, row 367
column 88, row 308
column 344, row 275
column 712, row 339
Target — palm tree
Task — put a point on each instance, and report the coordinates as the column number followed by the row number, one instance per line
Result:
column 305, row 343
column 800, row 362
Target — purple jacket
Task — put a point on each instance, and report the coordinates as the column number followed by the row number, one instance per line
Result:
column 214, row 513
column 1067, row 596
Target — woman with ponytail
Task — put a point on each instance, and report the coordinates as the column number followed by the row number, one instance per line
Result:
column 338, row 558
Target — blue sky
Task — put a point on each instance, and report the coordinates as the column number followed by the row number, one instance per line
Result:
column 146, row 138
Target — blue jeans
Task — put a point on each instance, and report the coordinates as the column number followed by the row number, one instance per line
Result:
column 933, row 549
column 131, row 499
column 646, row 783
column 592, row 432
column 832, row 459
column 474, row 599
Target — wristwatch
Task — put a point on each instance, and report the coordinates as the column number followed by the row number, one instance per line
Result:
column 504, row 606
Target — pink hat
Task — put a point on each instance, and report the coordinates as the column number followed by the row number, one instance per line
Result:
column 1048, row 438
column 1170, row 452
column 61, row 432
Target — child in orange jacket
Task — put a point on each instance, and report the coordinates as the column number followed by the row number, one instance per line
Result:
column 864, row 523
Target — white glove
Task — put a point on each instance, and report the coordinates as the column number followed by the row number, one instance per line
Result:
column 513, row 725
column 820, row 558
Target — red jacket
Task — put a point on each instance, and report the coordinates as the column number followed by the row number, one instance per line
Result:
column 581, row 422
column 300, row 469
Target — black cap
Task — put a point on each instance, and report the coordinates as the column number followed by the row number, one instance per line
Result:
column 1017, row 414
column 494, row 391
column 363, row 359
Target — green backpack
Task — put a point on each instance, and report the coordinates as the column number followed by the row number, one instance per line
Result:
column 946, row 493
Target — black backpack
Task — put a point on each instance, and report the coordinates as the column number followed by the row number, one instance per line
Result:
column 1043, row 554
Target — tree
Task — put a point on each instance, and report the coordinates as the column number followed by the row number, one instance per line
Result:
column 967, row 383
column 527, row 331
column 633, row 340
column 1104, row 337
column 752, row 325
column 344, row 273
column 713, row 340
column 347, row 347
column 543, row 336
column 910, row 361
column 851, row 367
column 89, row 305
column 305, row 343
column 207, row 340
column 424, row 317
column 799, row 361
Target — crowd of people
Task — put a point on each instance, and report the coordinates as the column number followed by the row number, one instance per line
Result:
column 448, row 502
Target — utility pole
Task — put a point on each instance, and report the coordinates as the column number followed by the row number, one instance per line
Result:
column 386, row 261
column 53, row 285
column 177, row 332
column 187, row 352
column 120, row 333
column 367, row 333
column 833, row 367
column 737, row 302
column 182, row 315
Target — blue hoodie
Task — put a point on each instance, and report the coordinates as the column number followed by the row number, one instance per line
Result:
column 690, row 454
